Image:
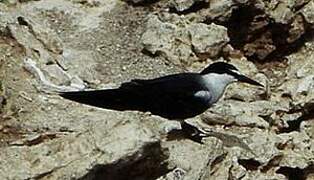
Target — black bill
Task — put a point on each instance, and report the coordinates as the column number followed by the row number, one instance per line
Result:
column 245, row 79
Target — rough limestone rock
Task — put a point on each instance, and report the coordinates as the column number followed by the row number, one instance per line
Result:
column 139, row 1
column 77, row 153
column 183, row 42
column 308, row 13
column 185, row 5
column 208, row 39
column 182, row 5
column 254, row 132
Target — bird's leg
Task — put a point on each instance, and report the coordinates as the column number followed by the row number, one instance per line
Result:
column 193, row 133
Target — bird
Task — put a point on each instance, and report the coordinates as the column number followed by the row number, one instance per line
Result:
column 175, row 97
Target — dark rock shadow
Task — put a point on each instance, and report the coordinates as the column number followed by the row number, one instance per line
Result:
column 150, row 166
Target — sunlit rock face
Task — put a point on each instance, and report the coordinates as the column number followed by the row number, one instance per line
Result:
column 256, row 133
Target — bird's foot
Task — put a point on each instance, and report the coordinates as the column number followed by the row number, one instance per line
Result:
column 194, row 133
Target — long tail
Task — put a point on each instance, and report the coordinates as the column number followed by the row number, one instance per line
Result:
column 117, row 99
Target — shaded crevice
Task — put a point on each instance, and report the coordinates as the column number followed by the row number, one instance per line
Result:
column 268, row 119
column 274, row 162
column 284, row 48
column 7, row 37
column 301, row 5
column 37, row 140
column 296, row 173
column 239, row 25
column 9, row 134
column 218, row 160
column 230, row 176
column 3, row 100
column 292, row 126
column 10, row 130
column 249, row 164
column 197, row 6
column 142, row 2
column 292, row 173
column 262, row 39
column 43, row 175
column 308, row 111
column 307, row 114
column 149, row 167
column 150, row 54
column 22, row 21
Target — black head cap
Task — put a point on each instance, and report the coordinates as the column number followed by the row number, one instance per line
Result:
column 219, row 68
column 222, row 67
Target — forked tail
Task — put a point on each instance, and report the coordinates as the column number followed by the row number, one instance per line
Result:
column 117, row 99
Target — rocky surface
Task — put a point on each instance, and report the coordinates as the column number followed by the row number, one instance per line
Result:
column 256, row 133
column 184, row 41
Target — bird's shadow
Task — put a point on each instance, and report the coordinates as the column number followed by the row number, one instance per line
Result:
column 227, row 139
column 179, row 135
column 176, row 134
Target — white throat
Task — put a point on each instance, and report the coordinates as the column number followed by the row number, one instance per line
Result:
column 217, row 83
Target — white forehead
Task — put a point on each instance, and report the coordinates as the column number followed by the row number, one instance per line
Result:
column 219, row 76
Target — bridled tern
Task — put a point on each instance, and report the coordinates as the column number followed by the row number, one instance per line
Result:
column 175, row 97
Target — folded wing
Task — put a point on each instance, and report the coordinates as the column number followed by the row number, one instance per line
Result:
column 172, row 97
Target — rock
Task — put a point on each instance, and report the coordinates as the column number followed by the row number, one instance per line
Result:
column 305, row 85
column 77, row 60
column 308, row 13
column 297, row 29
column 253, row 175
column 263, row 39
column 57, row 74
column 46, row 36
column 202, row 156
column 208, row 39
column 172, row 40
column 220, row 10
column 282, row 13
column 89, row 3
column 46, row 85
column 32, row 45
column 254, row 133
column 57, row 158
column 139, row 1
column 10, row 2
column 298, row 151
column 203, row 10
column 241, row 114
column 168, row 40
column 159, row 35
column 261, row 47
column 176, row 174
column 184, row 5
